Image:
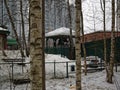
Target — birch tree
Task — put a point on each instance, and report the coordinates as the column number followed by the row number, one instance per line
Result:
column 78, row 45
column 37, row 45
column 112, row 53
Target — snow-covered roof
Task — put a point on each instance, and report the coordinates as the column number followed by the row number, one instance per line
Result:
column 60, row 31
column 4, row 31
column 2, row 28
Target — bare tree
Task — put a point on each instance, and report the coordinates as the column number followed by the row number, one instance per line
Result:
column 78, row 44
column 83, row 44
column 112, row 53
column 103, row 6
column 13, row 27
column 37, row 45
column 23, row 28
column 70, row 22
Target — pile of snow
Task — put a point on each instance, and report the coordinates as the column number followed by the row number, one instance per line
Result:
column 55, row 58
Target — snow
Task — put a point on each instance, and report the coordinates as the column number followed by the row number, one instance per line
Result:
column 93, row 81
column 2, row 28
column 60, row 31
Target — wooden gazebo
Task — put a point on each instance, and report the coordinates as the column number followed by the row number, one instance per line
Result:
column 58, row 41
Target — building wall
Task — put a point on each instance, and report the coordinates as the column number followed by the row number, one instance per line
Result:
column 98, row 36
column 3, row 41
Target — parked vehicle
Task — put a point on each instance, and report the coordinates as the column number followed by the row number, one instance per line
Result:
column 92, row 61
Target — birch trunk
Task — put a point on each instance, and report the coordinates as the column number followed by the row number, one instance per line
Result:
column 78, row 45
column 37, row 45
column 112, row 53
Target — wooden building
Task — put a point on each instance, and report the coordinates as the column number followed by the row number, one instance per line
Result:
column 94, row 43
column 99, row 35
column 58, row 42
column 3, row 38
column 12, row 44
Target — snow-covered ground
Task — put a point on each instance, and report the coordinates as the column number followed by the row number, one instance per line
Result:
column 93, row 81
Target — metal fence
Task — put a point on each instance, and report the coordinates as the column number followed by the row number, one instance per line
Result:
column 14, row 73
column 60, row 69
column 11, row 71
column 54, row 69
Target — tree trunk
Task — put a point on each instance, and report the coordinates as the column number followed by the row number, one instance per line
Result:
column 37, row 38
column 103, row 5
column 112, row 53
column 78, row 45
column 13, row 27
column 71, row 39
column 23, row 29
column 83, row 44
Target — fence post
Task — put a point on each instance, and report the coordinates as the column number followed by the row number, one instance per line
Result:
column 116, row 66
column 67, row 70
column 12, row 70
column 101, row 64
column 54, row 69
